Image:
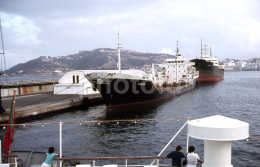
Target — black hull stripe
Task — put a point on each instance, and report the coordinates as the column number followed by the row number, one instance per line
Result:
column 148, row 101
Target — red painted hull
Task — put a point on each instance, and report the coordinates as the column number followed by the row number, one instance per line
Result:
column 209, row 78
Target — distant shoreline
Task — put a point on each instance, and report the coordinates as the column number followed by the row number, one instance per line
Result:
column 28, row 77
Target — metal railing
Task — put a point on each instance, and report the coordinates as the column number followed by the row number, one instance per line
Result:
column 94, row 159
column 9, row 157
column 156, row 158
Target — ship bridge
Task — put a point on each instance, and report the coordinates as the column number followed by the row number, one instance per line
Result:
column 176, row 60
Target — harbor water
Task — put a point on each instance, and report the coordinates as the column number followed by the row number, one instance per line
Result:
column 237, row 96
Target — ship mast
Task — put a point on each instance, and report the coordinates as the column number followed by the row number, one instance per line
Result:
column 210, row 51
column 2, row 110
column 201, row 49
column 3, row 53
column 177, row 49
column 118, row 52
column 177, row 54
column 205, row 49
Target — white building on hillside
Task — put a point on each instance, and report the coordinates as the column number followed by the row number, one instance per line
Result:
column 257, row 60
column 240, row 65
column 251, row 67
column 229, row 66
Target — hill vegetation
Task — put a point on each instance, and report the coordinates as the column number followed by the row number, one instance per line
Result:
column 98, row 59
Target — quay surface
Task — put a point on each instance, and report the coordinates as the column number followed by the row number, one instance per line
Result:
column 30, row 106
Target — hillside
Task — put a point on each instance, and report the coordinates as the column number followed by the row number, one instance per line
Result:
column 98, row 59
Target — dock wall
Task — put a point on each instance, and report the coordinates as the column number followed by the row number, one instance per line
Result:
column 22, row 88
column 37, row 99
column 51, row 107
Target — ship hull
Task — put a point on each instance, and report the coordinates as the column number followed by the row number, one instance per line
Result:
column 207, row 71
column 205, row 77
column 126, row 93
column 158, row 96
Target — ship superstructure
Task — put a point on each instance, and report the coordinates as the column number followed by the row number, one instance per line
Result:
column 176, row 71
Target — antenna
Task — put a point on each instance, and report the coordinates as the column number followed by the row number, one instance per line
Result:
column 177, row 49
column 201, row 49
column 205, row 49
column 118, row 50
column 177, row 54
column 210, row 51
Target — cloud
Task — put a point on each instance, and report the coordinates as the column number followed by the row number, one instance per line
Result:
column 167, row 51
column 20, row 36
column 249, row 34
column 55, row 28
column 22, row 29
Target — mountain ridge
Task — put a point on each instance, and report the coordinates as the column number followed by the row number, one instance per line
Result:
column 97, row 59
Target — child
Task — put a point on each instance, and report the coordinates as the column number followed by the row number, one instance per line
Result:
column 192, row 158
column 49, row 159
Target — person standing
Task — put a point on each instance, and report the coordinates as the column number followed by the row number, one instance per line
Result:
column 192, row 158
column 49, row 159
column 176, row 156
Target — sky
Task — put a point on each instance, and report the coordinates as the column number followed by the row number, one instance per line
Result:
column 33, row 28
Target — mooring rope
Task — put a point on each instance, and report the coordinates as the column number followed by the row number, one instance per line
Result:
column 97, row 121
column 257, row 138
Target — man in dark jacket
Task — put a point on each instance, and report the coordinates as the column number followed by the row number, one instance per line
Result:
column 176, row 156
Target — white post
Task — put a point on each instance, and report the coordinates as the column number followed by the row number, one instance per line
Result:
column 55, row 163
column 187, row 144
column 221, row 156
column 61, row 143
column 15, row 162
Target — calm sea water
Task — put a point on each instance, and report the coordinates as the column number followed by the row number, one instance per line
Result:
column 237, row 96
column 28, row 78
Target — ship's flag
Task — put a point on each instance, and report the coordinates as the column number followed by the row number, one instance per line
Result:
column 9, row 134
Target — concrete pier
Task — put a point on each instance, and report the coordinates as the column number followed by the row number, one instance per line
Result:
column 26, row 87
column 32, row 106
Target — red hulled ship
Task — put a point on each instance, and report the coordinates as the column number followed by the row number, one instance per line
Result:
column 209, row 68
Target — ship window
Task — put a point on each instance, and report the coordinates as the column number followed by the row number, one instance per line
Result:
column 73, row 78
column 77, row 79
